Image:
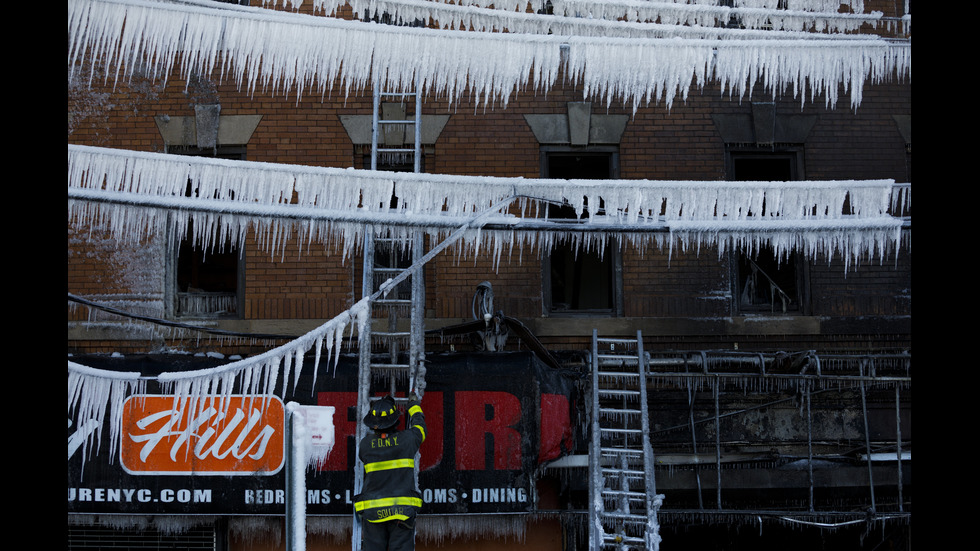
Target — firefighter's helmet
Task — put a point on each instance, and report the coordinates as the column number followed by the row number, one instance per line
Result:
column 383, row 415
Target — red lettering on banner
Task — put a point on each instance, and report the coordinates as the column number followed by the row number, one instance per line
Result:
column 432, row 448
column 480, row 413
column 346, row 421
column 556, row 427
column 345, row 427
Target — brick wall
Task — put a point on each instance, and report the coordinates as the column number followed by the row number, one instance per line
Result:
column 318, row 282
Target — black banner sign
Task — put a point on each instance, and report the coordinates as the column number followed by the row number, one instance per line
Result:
column 492, row 420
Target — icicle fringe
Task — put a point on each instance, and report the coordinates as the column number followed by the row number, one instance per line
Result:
column 287, row 52
column 91, row 392
column 136, row 195
column 622, row 18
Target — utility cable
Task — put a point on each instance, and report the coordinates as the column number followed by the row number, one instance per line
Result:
column 175, row 324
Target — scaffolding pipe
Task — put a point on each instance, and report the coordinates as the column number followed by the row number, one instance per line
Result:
column 716, row 387
column 898, row 446
column 501, row 223
column 867, row 441
column 694, row 441
column 788, row 377
column 595, row 465
column 809, row 440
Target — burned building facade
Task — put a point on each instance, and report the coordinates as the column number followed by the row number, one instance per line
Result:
column 693, row 307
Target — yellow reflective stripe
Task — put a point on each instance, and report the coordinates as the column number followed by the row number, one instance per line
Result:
column 395, row 517
column 414, row 409
column 392, row 464
column 420, row 430
column 387, row 502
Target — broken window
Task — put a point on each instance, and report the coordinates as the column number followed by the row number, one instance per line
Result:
column 205, row 282
column 577, row 279
column 762, row 281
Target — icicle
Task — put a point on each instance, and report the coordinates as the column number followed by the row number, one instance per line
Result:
column 804, row 216
column 91, row 391
column 251, row 49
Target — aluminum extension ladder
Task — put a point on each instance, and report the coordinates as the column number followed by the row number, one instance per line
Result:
column 623, row 492
column 381, row 253
column 380, row 125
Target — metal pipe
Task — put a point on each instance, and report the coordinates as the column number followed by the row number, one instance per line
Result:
column 717, row 390
column 649, row 462
column 418, row 129
column 867, row 443
column 505, row 222
column 694, row 441
column 295, row 483
column 809, row 441
column 898, row 447
column 595, row 461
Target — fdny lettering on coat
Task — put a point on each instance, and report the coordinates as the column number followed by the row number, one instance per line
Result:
column 384, row 442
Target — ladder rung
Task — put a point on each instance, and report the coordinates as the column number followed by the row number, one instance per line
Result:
column 613, row 392
column 630, row 363
column 615, row 374
column 396, row 150
column 615, row 411
column 390, row 366
column 394, row 301
column 396, row 94
column 628, row 472
column 396, row 121
column 618, row 539
column 621, row 451
column 625, row 516
column 391, row 334
column 621, row 431
column 623, row 493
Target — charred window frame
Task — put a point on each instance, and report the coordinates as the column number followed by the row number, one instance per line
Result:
column 763, row 283
column 576, row 281
column 205, row 282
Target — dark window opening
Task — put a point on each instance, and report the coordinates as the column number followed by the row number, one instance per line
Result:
column 763, row 168
column 393, row 162
column 766, row 283
column 207, row 278
column 763, row 282
column 386, row 18
column 579, row 280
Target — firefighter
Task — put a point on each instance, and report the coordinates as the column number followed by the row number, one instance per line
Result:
column 389, row 499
